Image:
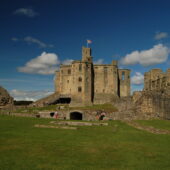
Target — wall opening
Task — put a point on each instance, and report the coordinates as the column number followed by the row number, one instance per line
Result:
column 101, row 117
column 80, row 67
column 76, row 116
column 79, row 89
column 80, row 79
column 69, row 71
column 123, row 75
column 65, row 100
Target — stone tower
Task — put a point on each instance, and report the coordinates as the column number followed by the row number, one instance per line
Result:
column 83, row 79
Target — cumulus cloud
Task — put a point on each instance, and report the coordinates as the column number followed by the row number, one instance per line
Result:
column 156, row 55
column 29, row 95
column 99, row 61
column 137, row 79
column 67, row 61
column 32, row 40
column 26, row 12
column 46, row 63
column 160, row 35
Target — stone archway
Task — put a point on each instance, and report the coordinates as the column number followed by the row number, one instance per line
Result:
column 76, row 115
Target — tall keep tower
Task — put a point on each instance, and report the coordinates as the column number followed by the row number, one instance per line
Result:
column 86, row 55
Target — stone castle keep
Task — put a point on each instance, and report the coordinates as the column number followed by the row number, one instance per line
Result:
column 86, row 83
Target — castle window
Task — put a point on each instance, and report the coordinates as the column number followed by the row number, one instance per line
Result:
column 61, row 71
column 80, row 67
column 79, row 89
column 80, row 79
column 123, row 75
column 69, row 71
column 67, row 81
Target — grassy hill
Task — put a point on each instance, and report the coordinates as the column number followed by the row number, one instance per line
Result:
column 117, row 146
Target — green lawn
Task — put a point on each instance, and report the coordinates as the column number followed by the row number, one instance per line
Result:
column 117, row 146
column 160, row 124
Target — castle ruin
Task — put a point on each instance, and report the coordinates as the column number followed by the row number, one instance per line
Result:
column 155, row 98
column 156, row 79
column 83, row 83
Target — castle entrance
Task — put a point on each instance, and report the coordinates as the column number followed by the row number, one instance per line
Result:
column 63, row 100
column 76, row 116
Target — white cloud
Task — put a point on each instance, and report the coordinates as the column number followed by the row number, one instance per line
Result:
column 29, row 95
column 14, row 39
column 160, row 35
column 32, row 40
column 99, row 61
column 46, row 63
column 67, row 61
column 26, row 11
column 137, row 79
column 156, row 55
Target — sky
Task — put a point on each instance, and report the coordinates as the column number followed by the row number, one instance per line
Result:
column 37, row 36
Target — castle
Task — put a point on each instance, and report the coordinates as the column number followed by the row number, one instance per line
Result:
column 85, row 83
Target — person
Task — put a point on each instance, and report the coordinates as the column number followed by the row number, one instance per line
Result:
column 56, row 115
column 98, row 115
column 103, row 114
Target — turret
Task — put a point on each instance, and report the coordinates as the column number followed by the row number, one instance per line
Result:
column 86, row 55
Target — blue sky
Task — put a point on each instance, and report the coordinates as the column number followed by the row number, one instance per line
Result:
column 34, row 30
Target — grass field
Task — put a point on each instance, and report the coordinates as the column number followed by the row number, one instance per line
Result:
column 160, row 124
column 117, row 146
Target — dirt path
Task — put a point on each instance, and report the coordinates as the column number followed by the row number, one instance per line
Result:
column 150, row 129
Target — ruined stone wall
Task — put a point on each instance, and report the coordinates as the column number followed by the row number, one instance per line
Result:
column 155, row 79
column 153, row 103
column 124, row 82
column 154, row 100
column 5, row 98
